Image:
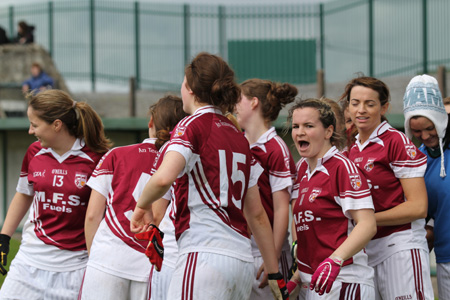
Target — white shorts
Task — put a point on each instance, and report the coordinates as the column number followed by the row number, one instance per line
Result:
column 29, row 283
column 404, row 275
column 160, row 282
column 344, row 291
column 265, row 293
column 210, row 276
column 443, row 280
column 100, row 285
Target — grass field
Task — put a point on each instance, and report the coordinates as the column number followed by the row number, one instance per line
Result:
column 13, row 248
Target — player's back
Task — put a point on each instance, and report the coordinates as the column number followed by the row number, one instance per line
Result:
column 210, row 194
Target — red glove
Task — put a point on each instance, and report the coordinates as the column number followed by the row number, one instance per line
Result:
column 278, row 286
column 155, row 248
column 325, row 275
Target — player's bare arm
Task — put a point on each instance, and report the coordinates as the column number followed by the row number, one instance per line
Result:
column 94, row 215
column 17, row 210
column 156, row 188
column 361, row 234
column 415, row 207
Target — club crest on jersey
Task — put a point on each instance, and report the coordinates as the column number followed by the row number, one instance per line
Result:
column 355, row 181
column 411, row 151
column 369, row 165
column 180, row 131
column 80, row 180
column 314, row 193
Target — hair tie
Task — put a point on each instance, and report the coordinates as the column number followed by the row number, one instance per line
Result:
column 74, row 104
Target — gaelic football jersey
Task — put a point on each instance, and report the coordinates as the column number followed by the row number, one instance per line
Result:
column 210, row 191
column 120, row 177
column 321, row 216
column 276, row 160
column 53, row 235
column 384, row 158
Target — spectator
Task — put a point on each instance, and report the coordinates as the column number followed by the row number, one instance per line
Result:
column 447, row 104
column 24, row 33
column 39, row 80
column 3, row 38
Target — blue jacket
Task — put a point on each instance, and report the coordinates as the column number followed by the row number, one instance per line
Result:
column 41, row 80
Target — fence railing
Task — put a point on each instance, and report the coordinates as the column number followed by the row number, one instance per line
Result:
column 110, row 41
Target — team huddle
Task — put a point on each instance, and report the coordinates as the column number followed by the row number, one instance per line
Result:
column 207, row 197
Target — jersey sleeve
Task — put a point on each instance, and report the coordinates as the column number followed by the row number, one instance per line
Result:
column 255, row 171
column 103, row 174
column 299, row 172
column 354, row 191
column 406, row 160
column 185, row 141
column 23, row 185
column 280, row 171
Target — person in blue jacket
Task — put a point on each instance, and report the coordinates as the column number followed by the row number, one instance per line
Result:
column 427, row 120
column 39, row 80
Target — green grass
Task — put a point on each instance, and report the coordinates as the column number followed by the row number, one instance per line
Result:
column 13, row 248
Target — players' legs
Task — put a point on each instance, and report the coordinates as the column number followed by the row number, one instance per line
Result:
column 344, row 291
column 265, row 293
column 443, row 280
column 405, row 274
column 26, row 282
column 112, row 287
column 210, row 276
column 138, row 290
column 160, row 282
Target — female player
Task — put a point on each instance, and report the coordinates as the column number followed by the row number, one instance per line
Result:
column 427, row 120
column 210, row 162
column 395, row 168
column 259, row 105
column 116, row 184
column 334, row 216
column 52, row 256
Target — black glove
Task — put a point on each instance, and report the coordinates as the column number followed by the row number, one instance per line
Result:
column 278, row 286
column 293, row 267
column 4, row 250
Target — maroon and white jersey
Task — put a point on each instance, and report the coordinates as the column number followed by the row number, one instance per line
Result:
column 210, row 191
column 276, row 160
column 120, row 177
column 321, row 216
column 384, row 158
column 53, row 235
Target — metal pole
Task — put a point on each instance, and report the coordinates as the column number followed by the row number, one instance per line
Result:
column 11, row 22
column 92, row 41
column 132, row 98
column 137, row 45
column 425, row 36
column 322, row 36
column 371, row 52
column 222, row 31
column 187, row 29
column 50, row 28
column 5, row 174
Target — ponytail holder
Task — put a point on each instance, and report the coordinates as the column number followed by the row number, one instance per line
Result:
column 74, row 104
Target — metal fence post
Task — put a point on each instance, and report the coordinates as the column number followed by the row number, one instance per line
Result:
column 137, row 45
column 5, row 174
column 92, row 41
column 222, row 31
column 371, row 44
column 322, row 36
column 187, row 29
column 425, row 36
column 11, row 21
column 50, row 28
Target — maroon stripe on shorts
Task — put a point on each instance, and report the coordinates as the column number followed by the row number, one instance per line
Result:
column 350, row 291
column 418, row 277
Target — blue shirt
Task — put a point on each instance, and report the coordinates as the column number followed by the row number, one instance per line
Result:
column 438, row 190
column 42, row 80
